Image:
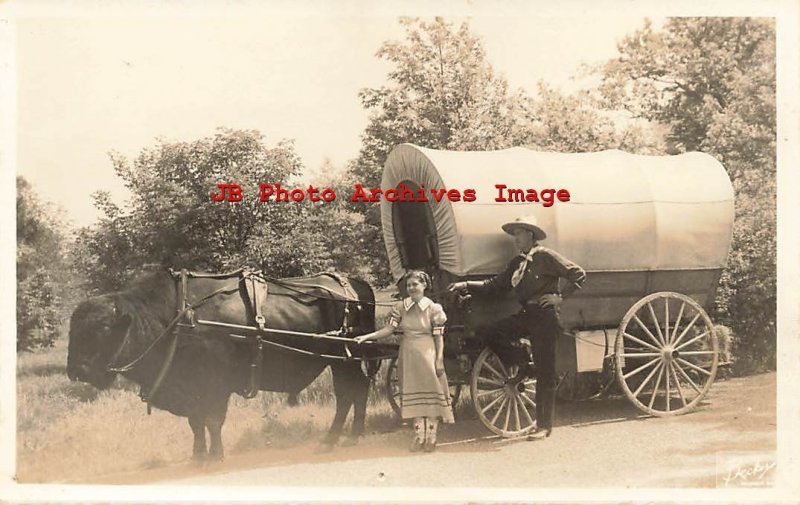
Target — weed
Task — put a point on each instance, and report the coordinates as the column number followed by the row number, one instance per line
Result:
column 71, row 431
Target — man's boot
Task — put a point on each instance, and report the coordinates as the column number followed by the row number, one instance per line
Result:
column 545, row 413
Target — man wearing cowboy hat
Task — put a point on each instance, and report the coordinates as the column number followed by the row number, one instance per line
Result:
column 534, row 276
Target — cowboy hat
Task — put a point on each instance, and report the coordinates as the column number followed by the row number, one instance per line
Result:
column 526, row 223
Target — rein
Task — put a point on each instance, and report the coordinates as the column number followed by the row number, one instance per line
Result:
column 170, row 326
column 187, row 308
column 296, row 288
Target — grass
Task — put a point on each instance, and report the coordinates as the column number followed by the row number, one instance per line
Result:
column 71, row 431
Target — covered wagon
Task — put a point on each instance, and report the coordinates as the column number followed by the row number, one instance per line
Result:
column 652, row 232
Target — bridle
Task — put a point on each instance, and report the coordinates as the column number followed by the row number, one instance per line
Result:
column 167, row 330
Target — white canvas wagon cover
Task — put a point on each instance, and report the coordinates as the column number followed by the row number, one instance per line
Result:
column 626, row 212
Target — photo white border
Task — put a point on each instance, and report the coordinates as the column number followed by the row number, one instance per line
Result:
column 787, row 486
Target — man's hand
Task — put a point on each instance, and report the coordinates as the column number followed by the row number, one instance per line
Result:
column 549, row 300
column 361, row 339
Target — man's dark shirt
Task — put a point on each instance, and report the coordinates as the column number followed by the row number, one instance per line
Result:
column 540, row 278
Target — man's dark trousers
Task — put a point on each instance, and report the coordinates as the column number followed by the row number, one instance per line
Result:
column 542, row 326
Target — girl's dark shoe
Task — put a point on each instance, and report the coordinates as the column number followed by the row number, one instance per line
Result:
column 429, row 446
column 416, row 446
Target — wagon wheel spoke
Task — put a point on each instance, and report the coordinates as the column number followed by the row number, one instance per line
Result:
column 500, row 409
column 504, row 373
column 695, row 367
column 655, row 388
column 641, row 342
column 643, row 367
column 677, row 323
column 516, row 413
column 647, row 379
column 685, row 331
column 678, row 385
column 528, row 399
column 492, row 403
column 508, row 412
column 688, row 379
column 697, row 353
column 646, row 330
column 656, row 324
column 667, row 383
column 528, row 418
column 690, row 342
column 641, row 354
column 497, row 374
column 490, row 381
column 489, row 392
column 393, row 386
column 666, row 321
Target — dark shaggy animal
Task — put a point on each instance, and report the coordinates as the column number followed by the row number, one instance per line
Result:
column 112, row 330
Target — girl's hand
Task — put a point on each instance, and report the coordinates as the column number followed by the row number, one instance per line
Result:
column 439, row 367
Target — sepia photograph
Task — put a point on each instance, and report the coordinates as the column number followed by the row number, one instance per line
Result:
column 467, row 252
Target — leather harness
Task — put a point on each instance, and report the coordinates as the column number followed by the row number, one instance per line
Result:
column 256, row 287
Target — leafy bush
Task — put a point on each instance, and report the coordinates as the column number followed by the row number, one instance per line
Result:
column 42, row 281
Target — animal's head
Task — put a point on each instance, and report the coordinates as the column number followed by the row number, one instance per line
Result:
column 96, row 333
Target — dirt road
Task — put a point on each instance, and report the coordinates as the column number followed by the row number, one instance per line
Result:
column 603, row 443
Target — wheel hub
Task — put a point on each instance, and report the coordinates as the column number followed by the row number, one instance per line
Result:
column 669, row 353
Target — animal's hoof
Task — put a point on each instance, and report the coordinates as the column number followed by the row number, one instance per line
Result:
column 351, row 441
column 199, row 457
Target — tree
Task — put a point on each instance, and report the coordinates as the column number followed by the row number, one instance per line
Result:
column 566, row 123
column 42, row 284
column 441, row 93
column 172, row 220
column 712, row 82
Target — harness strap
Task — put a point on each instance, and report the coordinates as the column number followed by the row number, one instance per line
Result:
column 163, row 372
column 321, row 355
column 170, row 326
column 184, row 308
column 258, row 342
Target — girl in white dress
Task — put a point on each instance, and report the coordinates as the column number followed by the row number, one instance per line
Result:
column 424, row 393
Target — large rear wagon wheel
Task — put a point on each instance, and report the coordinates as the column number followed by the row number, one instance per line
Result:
column 666, row 354
column 504, row 404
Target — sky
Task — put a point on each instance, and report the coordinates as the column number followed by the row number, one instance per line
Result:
column 89, row 85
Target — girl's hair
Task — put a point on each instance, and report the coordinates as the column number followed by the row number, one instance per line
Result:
column 420, row 275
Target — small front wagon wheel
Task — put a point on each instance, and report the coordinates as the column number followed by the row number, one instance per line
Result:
column 393, row 386
column 504, row 402
column 666, row 354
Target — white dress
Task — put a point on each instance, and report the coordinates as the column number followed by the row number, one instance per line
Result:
column 422, row 393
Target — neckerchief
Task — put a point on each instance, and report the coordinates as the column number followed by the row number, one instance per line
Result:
column 520, row 271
